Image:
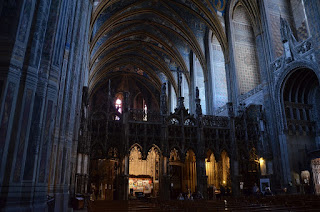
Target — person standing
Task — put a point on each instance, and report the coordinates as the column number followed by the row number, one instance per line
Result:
column 255, row 190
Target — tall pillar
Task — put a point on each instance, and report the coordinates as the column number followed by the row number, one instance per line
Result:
column 208, row 82
column 25, row 137
column 192, row 108
column 68, row 101
column 14, row 40
column 62, row 142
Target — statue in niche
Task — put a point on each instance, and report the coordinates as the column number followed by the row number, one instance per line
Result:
column 198, row 105
column 197, row 93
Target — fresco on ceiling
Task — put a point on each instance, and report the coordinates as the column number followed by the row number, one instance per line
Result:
column 218, row 5
column 132, row 69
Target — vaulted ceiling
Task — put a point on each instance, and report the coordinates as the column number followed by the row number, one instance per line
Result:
column 152, row 37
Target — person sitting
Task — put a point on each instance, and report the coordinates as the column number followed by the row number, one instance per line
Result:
column 199, row 195
column 267, row 192
column 180, row 197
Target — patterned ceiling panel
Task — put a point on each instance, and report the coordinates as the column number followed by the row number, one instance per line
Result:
column 156, row 36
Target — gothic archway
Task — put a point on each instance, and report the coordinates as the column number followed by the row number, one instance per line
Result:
column 212, row 170
column 300, row 93
column 144, row 173
column 189, row 172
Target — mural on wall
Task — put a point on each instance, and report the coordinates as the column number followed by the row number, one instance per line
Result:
column 131, row 69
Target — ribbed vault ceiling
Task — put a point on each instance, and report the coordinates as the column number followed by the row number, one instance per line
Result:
column 155, row 36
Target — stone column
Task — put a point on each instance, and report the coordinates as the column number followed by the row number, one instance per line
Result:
column 209, row 83
column 30, row 96
column 56, row 149
column 68, row 103
column 63, row 142
column 17, row 17
column 266, row 55
column 192, row 95
column 44, row 102
column 14, row 40
column 76, row 92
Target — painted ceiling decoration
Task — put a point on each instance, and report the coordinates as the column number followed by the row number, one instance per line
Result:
column 218, row 5
column 155, row 36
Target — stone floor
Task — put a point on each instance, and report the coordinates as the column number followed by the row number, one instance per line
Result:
column 263, row 204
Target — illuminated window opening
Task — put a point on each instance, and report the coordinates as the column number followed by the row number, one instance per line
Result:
column 119, row 105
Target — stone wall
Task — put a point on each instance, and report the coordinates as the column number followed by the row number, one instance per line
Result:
column 300, row 19
column 42, row 88
column 313, row 15
column 275, row 8
column 219, row 79
column 245, row 51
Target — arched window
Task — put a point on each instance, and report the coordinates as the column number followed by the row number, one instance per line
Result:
column 247, row 68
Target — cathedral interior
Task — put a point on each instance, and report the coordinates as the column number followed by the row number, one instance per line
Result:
column 112, row 99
